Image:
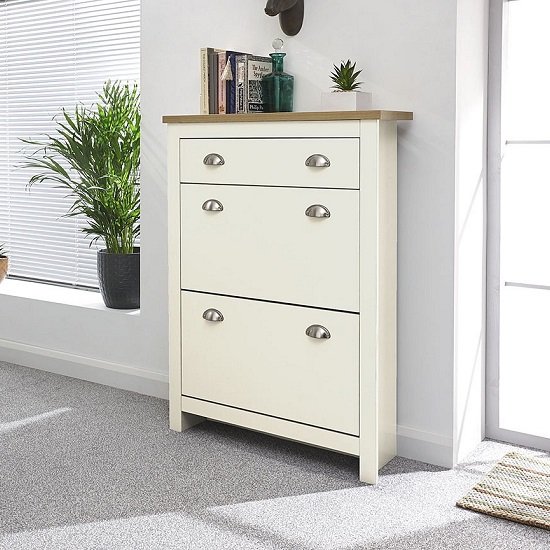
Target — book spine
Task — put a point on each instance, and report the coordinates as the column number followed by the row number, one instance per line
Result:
column 232, row 84
column 222, row 84
column 256, row 99
column 212, row 82
column 240, row 81
column 204, row 82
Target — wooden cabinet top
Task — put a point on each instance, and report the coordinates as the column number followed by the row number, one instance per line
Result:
column 279, row 117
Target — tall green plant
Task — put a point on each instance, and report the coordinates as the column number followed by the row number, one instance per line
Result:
column 94, row 152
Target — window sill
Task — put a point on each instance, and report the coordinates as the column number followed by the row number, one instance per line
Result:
column 58, row 295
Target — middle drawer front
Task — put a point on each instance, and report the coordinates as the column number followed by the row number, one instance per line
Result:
column 263, row 245
column 259, row 358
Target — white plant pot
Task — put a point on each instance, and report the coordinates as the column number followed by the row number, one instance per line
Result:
column 346, row 101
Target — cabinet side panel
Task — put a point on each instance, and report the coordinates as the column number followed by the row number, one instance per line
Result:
column 387, row 289
column 368, row 302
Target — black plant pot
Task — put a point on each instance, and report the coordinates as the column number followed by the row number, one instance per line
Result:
column 118, row 276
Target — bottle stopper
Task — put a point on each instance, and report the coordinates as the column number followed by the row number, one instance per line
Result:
column 277, row 45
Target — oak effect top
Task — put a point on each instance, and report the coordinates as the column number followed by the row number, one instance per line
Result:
column 279, row 117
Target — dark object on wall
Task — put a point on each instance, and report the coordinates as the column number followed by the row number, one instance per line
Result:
column 118, row 276
column 291, row 14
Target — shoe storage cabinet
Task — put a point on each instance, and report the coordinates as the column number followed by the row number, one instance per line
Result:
column 282, row 277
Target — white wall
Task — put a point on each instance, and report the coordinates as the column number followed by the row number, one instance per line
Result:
column 408, row 52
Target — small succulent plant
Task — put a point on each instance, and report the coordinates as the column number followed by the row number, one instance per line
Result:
column 2, row 250
column 345, row 77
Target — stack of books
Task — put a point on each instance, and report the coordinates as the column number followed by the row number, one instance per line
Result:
column 231, row 82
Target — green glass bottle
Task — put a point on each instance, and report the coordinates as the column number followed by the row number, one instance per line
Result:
column 278, row 85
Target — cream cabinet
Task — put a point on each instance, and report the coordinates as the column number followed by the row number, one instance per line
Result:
column 282, row 277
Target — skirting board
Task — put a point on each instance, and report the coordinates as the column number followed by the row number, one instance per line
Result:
column 85, row 368
column 425, row 446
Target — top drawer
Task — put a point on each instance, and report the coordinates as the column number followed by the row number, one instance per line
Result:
column 334, row 162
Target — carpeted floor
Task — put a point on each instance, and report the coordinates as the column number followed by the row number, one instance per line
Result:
column 85, row 466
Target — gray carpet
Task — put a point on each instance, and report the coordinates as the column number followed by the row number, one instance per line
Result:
column 85, row 466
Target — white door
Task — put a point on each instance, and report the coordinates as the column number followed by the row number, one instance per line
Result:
column 518, row 290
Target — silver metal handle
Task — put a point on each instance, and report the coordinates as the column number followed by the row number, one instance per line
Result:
column 317, row 331
column 213, row 159
column 318, row 211
column 318, row 161
column 212, row 315
column 212, row 205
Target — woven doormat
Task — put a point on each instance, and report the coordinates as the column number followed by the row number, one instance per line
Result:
column 517, row 488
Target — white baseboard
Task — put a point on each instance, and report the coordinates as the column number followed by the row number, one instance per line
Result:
column 86, row 368
column 425, row 446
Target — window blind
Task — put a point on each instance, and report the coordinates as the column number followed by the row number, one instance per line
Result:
column 54, row 54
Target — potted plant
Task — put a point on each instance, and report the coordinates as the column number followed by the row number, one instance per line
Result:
column 94, row 153
column 346, row 95
column 4, row 261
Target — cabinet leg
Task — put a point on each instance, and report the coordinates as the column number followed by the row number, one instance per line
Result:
column 368, row 469
column 180, row 421
column 368, row 477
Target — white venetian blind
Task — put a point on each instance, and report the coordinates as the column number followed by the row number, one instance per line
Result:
column 53, row 54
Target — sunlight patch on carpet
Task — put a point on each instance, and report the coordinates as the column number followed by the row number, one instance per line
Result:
column 10, row 426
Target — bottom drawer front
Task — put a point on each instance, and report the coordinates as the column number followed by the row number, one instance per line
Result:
column 260, row 359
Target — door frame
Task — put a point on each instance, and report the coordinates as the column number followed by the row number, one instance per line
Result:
column 498, row 19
